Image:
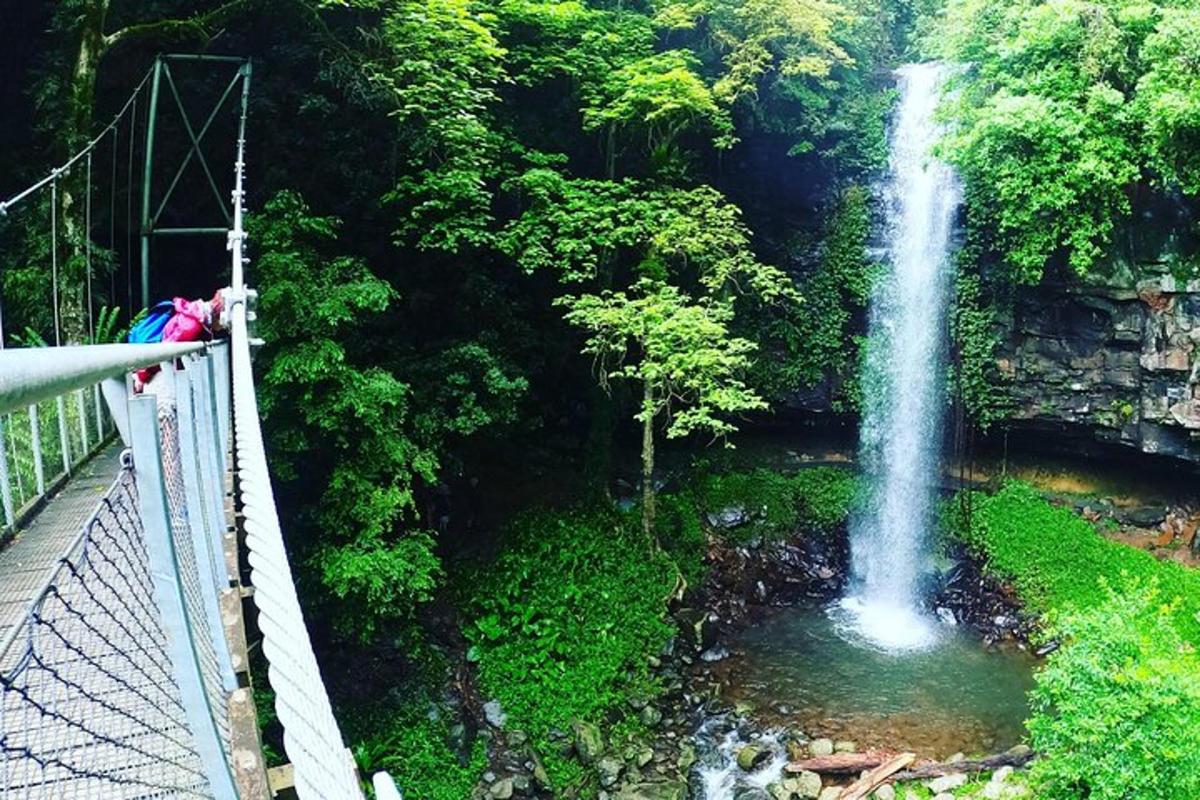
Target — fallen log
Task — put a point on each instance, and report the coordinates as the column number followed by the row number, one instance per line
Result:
column 1017, row 757
column 855, row 763
column 842, row 763
column 863, row 786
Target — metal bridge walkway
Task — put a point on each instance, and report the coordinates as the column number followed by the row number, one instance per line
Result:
column 27, row 560
column 123, row 667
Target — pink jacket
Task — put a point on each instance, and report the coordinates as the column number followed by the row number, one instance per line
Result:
column 191, row 322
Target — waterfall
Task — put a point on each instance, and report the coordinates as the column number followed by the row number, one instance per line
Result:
column 903, row 376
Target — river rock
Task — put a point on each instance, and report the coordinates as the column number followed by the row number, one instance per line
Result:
column 943, row 796
column 494, row 714
column 750, row 757
column 947, row 782
column 804, row 785
column 830, row 793
column 728, row 517
column 667, row 790
column 501, row 789
column 820, row 747
column 1001, row 775
column 845, row 746
column 696, row 628
column 650, row 716
column 589, row 744
column 750, row 793
column 885, row 792
column 610, row 770
column 687, row 757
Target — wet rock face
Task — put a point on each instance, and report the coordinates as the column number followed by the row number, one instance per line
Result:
column 965, row 595
column 1116, row 364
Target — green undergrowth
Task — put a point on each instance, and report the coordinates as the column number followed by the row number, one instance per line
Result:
column 414, row 743
column 816, row 498
column 563, row 624
column 1055, row 558
column 1116, row 709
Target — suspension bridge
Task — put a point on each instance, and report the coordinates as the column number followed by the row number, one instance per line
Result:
column 137, row 524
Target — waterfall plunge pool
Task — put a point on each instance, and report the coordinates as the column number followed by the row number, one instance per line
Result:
column 808, row 669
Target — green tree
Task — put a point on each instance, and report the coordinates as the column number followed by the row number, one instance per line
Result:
column 680, row 351
column 338, row 424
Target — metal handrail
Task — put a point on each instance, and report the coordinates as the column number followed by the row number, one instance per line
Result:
column 32, row 374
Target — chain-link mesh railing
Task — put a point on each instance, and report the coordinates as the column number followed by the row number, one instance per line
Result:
column 32, row 444
column 115, row 685
column 184, row 535
column 90, row 707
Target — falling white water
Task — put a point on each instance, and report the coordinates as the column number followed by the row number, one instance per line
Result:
column 900, row 439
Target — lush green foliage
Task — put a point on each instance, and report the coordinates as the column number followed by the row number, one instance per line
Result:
column 1066, row 107
column 778, row 504
column 1117, row 707
column 563, row 623
column 1057, row 560
column 680, row 351
column 975, row 379
column 414, row 743
column 816, row 338
column 318, row 396
column 1116, row 711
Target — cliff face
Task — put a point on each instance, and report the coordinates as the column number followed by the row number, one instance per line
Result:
column 1115, row 359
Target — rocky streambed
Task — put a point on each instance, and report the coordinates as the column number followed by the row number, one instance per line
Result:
column 727, row 726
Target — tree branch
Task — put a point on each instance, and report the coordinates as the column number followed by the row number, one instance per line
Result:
column 198, row 26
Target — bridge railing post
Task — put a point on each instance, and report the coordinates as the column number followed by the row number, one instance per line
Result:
column 6, row 499
column 64, row 438
column 209, row 561
column 210, row 448
column 169, row 594
column 35, row 444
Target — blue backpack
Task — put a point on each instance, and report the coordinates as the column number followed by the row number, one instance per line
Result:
column 150, row 329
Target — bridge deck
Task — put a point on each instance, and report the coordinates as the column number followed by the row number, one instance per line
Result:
column 26, row 562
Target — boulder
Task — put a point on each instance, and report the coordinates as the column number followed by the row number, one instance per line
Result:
column 728, row 517
column 589, row 743
column 494, row 714
column 820, row 747
column 610, row 770
column 804, row 785
column 750, row 793
column 750, row 757
column 947, row 782
column 696, row 629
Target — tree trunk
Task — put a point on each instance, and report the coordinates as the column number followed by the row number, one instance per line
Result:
column 648, row 466
column 72, row 188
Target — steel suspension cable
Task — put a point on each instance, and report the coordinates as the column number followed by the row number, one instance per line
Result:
column 112, row 215
column 129, row 214
column 91, row 145
column 87, row 248
column 54, row 255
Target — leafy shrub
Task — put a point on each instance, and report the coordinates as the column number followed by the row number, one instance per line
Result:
column 564, row 622
column 681, row 535
column 1116, row 711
